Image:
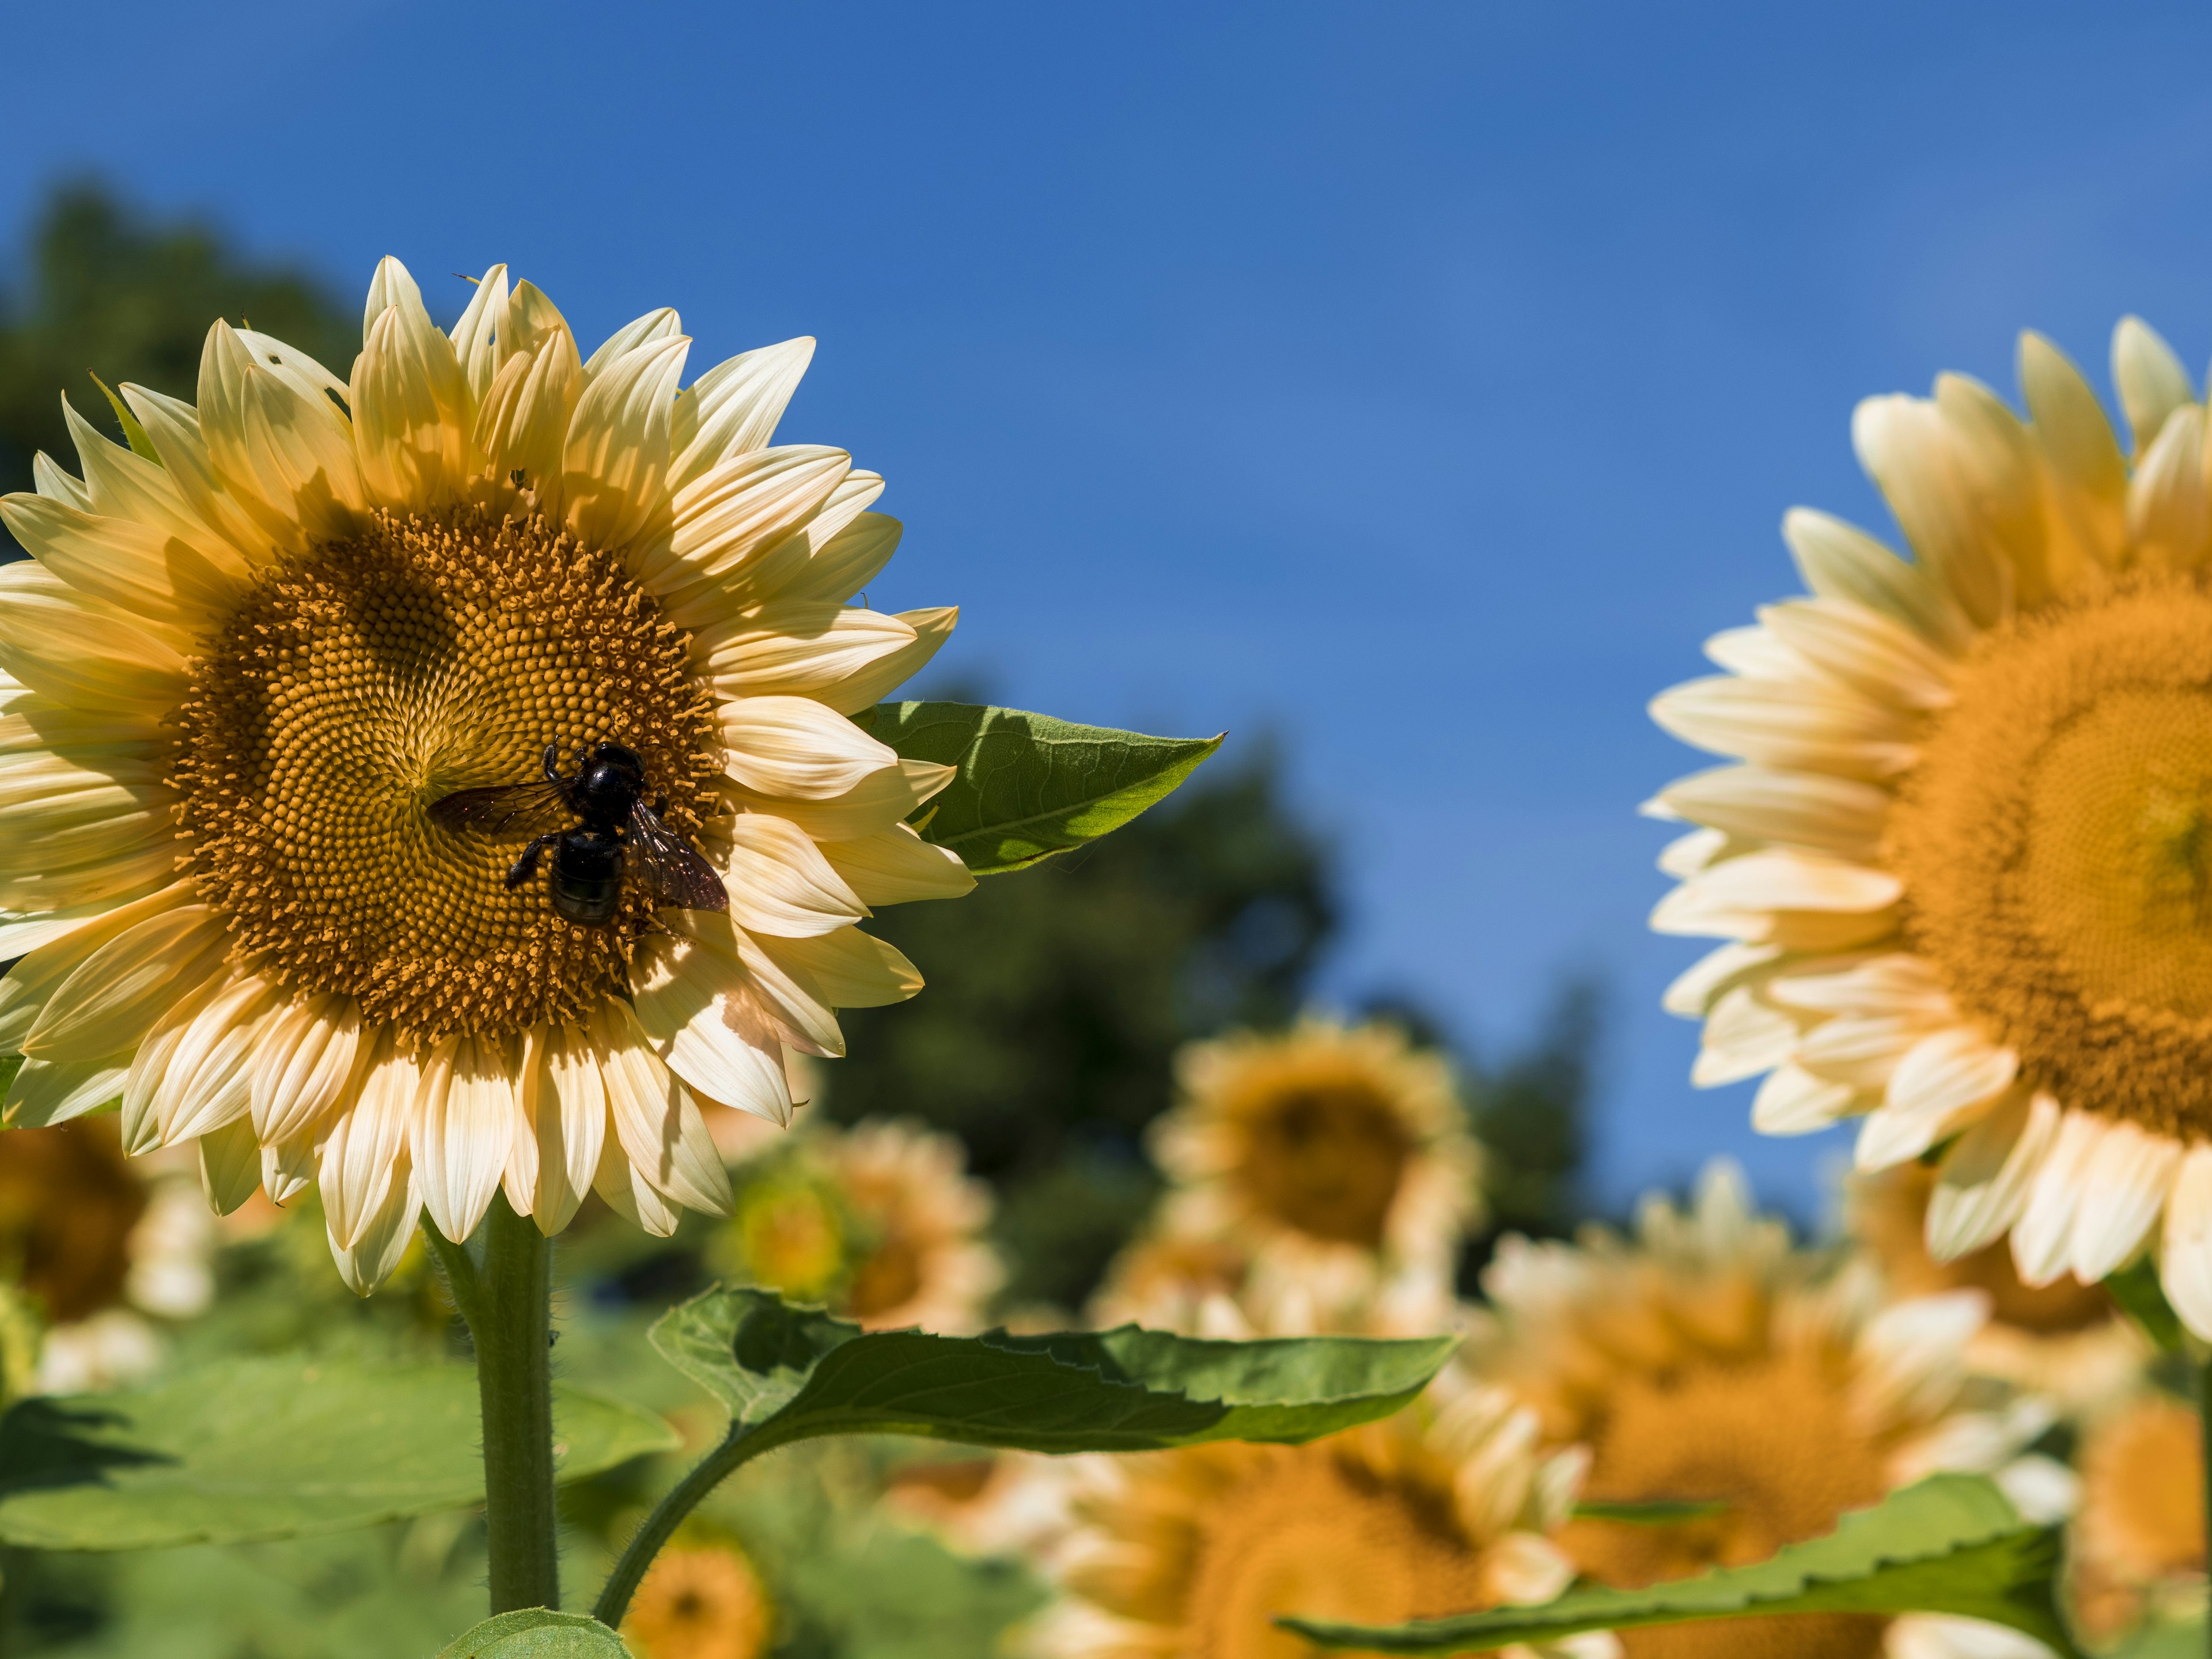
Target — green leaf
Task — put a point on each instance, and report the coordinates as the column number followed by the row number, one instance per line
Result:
column 1030, row 786
column 793, row 1373
column 1949, row 1544
column 2137, row 1289
column 1664, row 1512
column 535, row 1633
column 2164, row 1638
column 133, row 433
column 263, row 1449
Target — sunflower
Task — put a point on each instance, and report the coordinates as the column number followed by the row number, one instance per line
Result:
column 879, row 1221
column 2138, row 1536
column 1336, row 1157
column 1192, row 1554
column 1963, row 871
column 250, row 652
column 1706, row 1359
column 700, row 1600
column 2065, row 1340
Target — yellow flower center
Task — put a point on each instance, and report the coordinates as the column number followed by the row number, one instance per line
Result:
column 700, row 1604
column 1326, row 1160
column 68, row 1202
column 1776, row 1440
column 1314, row 1534
column 789, row 1239
column 357, row 686
column 2056, row 843
column 888, row 1278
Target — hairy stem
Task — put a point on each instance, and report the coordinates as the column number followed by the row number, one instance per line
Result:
column 508, row 1302
column 717, row 1466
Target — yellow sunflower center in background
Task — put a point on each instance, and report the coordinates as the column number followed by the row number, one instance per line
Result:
column 700, row 1603
column 2056, row 843
column 889, row 1276
column 1775, row 1440
column 358, row 685
column 789, row 1238
column 68, row 1202
column 1314, row 1535
column 1327, row 1160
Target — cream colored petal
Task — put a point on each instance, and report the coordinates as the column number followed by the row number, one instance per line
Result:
column 123, row 986
column 522, row 425
column 844, row 563
column 1694, row 991
column 1910, row 1355
column 174, row 428
column 1893, row 984
column 629, row 1195
column 565, row 1100
column 1794, row 1102
column 715, row 608
column 1687, row 912
column 1943, row 1081
column 51, row 481
column 284, row 452
column 140, row 1121
column 1996, row 463
column 1743, row 1037
column 2043, row 1238
column 119, row 858
column 1757, row 654
column 206, row 1081
column 45, row 966
column 365, row 1150
column 1785, row 879
column 694, row 1006
column 1907, row 447
column 410, row 412
column 795, row 1013
column 1864, row 649
column 847, row 968
column 804, row 650
column 655, row 1119
column 779, row 882
column 230, row 1165
column 2169, row 505
column 896, row 866
column 869, row 686
column 2124, row 1188
column 1840, row 816
column 614, row 462
column 655, row 327
column 1840, row 561
column 2185, row 1250
column 381, row 1245
column 391, row 284
column 877, row 801
column 724, row 522
column 59, row 644
column 47, row 1092
column 125, row 485
column 1793, row 727
column 29, row 721
column 460, row 1131
column 1862, row 1050
column 2077, row 442
column 1522, row 1570
column 532, row 317
column 794, row 748
column 2151, row 381
column 1984, row 1183
column 733, row 408
column 305, row 1067
column 481, row 345
column 166, row 586
column 1685, row 855
column 287, row 1169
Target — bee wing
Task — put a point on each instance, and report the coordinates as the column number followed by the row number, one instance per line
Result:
column 668, row 864
column 533, row 806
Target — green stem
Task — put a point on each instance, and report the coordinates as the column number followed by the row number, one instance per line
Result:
column 508, row 1302
column 741, row 1447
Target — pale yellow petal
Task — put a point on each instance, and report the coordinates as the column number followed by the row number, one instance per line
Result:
column 380, row 1243
column 481, row 344
column 2185, row 1254
column 564, row 1099
column 2169, row 505
column 175, row 428
column 2078, row 445
column 733, row 408
column 206, row 1082
column 305, row 1067
column 61, row 646
column 896, row 866
column 794, row 748
column 282, row 448
column 365, row 1146
column 2151, row 381
column 1843, row 817
column 1865, row 650
column 46, row 965
column 614, row 462
column 46, row 1092
column 522, row 425
column 694, row 1005
column 461, row 1130
column 230, row 1165
column 410, row 412
column 1794, row 728
column 163, row 582
column 1984, row 1183
column 1840, row 561
column 877, row 801
column 655, row 327
column 2043, row 1238
column 125, row 485
column 727, row 519
column 2123, row 1188
column 655, row 1119
column 847, row 968
column 1907, row 447
column 121, row 989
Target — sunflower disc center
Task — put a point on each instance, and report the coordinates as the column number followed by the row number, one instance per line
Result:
column 361, row 683
column 2056, row 842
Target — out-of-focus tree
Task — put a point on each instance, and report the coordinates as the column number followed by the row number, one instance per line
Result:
column 1058, row 996
column 1528, row 1113
column 102, row 290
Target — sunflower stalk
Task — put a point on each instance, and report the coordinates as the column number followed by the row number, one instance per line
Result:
column 507, row 1301
column 740, row 1447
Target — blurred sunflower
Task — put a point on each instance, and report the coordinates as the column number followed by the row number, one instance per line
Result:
column 251, row 651
column 1192, row 1554
column 1335, row 1156
column 2065, row 1340
column 879, row 1221
column 2137, row 1542
column 701, row 1600
column 1706, row 1360
column 1963, row 869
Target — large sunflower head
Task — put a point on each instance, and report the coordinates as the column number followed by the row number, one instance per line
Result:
column 1964, row 866
column 1195, row 1552
column 254, row 649
column 1704, row 1359
column 1326, row 1140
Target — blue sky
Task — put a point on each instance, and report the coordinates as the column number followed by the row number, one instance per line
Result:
column 1422, row 382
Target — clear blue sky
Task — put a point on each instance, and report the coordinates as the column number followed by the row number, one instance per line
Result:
column 1425, row 382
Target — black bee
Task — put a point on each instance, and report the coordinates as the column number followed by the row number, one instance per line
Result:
column 618, row 830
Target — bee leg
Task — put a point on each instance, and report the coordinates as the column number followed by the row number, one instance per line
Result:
column 552, row 763
column 526, row 865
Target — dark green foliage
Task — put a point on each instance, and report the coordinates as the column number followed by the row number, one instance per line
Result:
column 103, row 292
column 1528, row 1114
